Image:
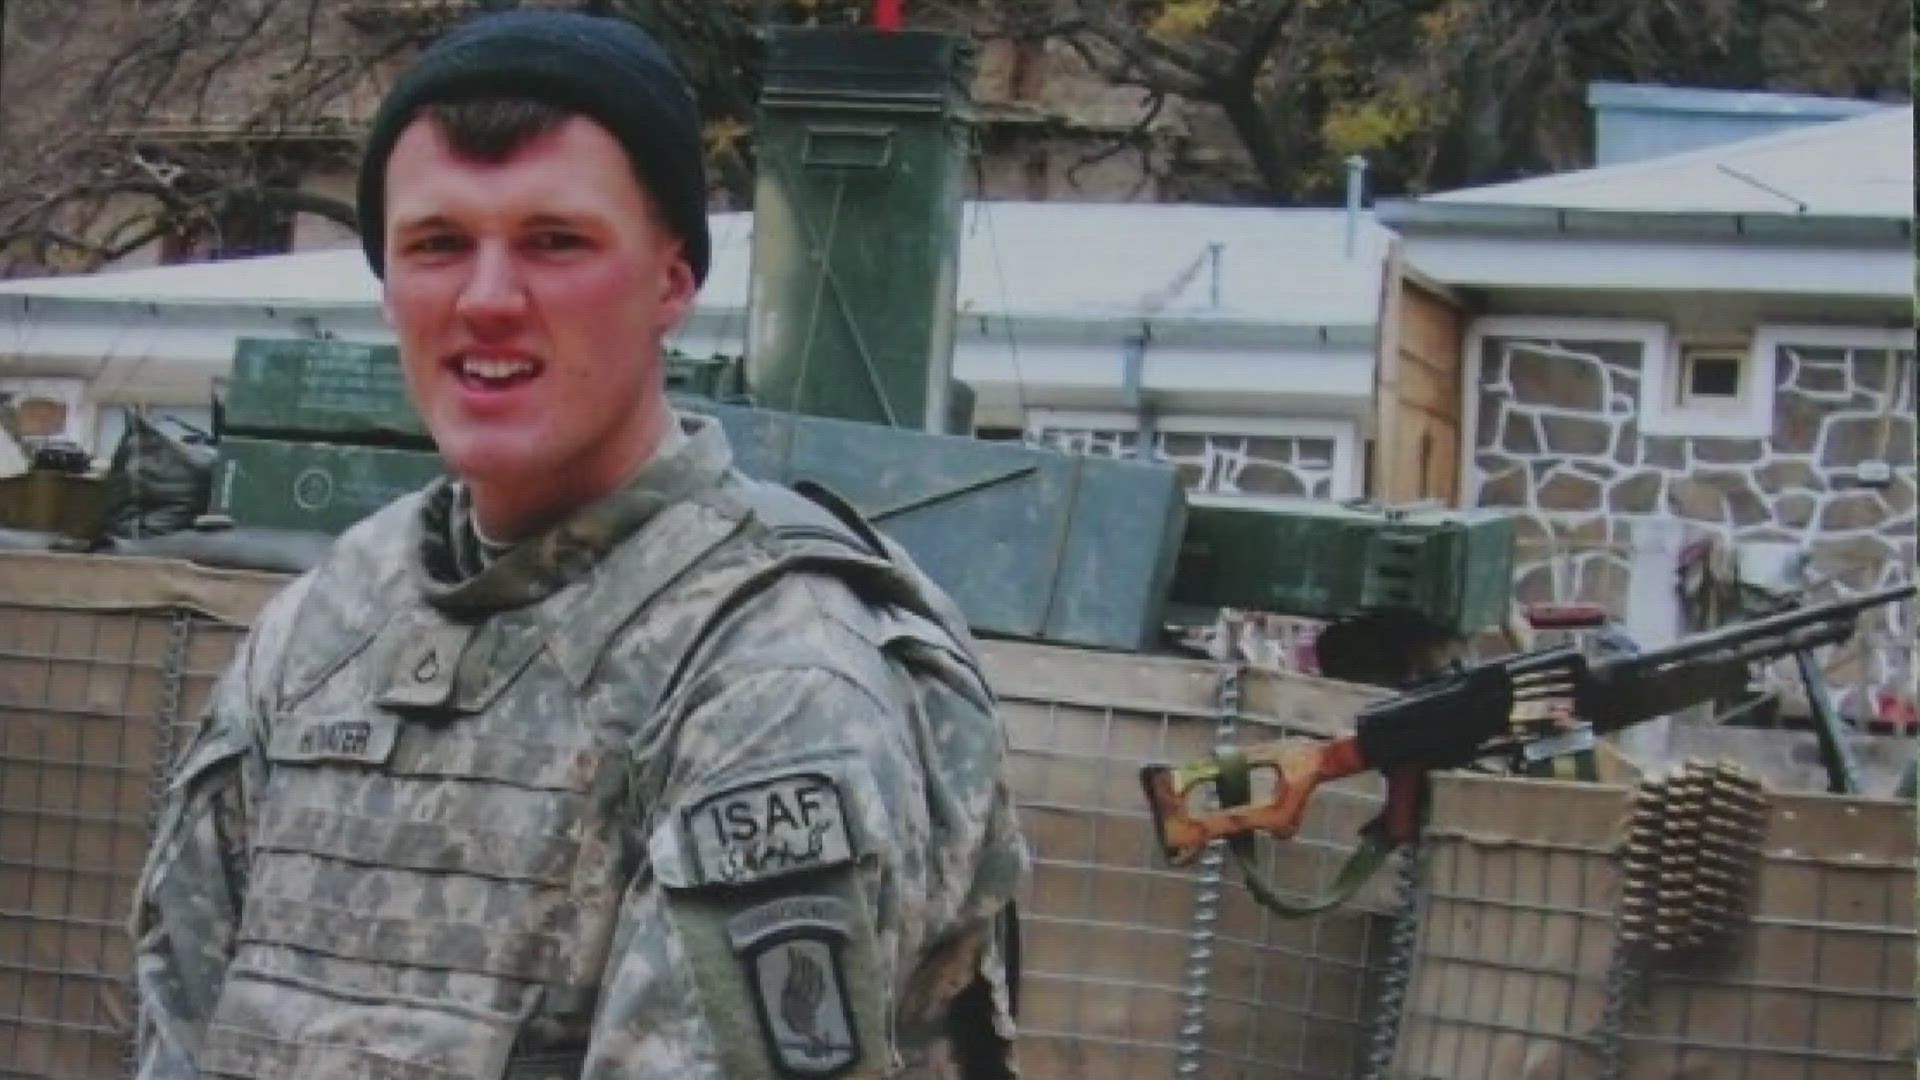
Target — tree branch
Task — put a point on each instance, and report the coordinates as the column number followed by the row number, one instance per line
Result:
column 1247, row 65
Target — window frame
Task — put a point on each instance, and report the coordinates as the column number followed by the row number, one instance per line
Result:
column 1345, row 435
column 1666, row 410
column 1728, row 405
column 1652, row 336
column 71, row 391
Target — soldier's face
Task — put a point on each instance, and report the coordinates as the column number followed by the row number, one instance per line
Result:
column 530, row 297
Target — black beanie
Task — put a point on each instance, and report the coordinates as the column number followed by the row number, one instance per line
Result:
column 607, row 69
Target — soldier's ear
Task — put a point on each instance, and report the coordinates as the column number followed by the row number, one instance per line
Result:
column 677, row 290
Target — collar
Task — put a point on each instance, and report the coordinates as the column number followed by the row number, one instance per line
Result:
column 572, row 549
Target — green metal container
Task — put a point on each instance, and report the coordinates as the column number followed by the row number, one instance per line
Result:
column 716, row 378
column 1324, row 560
column 306, row 389
column 862, row 148
column 1029, row 542
column 961, row 401
column 43, row 500
column 321, row 487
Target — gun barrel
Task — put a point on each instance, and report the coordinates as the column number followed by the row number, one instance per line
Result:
column 1779, row 625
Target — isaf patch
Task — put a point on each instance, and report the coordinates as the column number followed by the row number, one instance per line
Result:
column 795, row 950
column 769, row 828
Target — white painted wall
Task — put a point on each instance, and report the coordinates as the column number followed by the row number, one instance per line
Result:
column 1653, row 619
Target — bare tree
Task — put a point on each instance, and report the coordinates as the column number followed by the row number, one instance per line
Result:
column 1442, row 93
column 181, row 122
column 189, row 121
column 199, row 124
column 721, row 45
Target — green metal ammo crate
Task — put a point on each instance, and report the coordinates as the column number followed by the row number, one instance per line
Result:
column 715, row 378
column 1326, row 560
column 862, row 143
column 1030, row 543
column 332, row 390
column 321, row 487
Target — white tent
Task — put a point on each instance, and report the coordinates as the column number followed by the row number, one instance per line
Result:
column 1251, row 312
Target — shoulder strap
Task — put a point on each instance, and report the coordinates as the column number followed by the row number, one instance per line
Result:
column 780, row 532
column 906, row 584
column 843, row 512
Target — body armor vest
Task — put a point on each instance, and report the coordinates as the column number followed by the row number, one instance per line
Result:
column 452, row 811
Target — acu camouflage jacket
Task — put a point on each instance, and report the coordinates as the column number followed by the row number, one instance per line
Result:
column 703, row 782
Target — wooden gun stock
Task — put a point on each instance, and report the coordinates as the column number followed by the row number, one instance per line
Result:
column 1299, row 767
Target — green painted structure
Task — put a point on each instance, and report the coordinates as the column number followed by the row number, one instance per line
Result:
column 862, row 146
column 318, row 487
column 331, row 390
column 1323, row 560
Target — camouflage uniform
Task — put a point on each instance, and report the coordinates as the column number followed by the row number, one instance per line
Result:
column 703, row 782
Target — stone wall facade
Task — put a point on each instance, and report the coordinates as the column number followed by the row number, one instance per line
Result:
column 1558, row 440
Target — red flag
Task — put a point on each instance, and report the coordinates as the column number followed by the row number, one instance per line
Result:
column 886, row 14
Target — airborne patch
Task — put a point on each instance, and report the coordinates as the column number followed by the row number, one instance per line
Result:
column 795, row 950
column 769, row 828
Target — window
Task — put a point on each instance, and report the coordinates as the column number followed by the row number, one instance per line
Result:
column 48, row 410
column 248, row 228
column 1241, row 458
column 1571, row 365
column 1713, row 386
column 1711, row 378
column 999, row 434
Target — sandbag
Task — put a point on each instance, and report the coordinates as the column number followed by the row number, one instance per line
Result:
column 285, row 551
column 27, row 540
column 159, row 480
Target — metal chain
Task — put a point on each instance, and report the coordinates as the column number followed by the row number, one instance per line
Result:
column 173, row 681
column 1624, row 976
column 1396, row 972
column 1210, row 886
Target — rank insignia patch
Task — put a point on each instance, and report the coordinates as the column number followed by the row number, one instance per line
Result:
column 769, row 828
column 423, row 669
column 794, row 951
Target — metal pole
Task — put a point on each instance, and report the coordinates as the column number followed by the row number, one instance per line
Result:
column 1356, row 184
column 1843, row 769
column 1133, row 382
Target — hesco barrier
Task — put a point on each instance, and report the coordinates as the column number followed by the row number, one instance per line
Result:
column 1518, row 972
column 102, row 665
column 1132, row 969
column 1136, row 970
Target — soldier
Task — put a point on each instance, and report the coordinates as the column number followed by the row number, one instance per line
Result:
column 598, row 759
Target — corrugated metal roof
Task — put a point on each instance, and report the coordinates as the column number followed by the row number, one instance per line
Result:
column 1637, row 122
column 1674, row 100
column 1860, row 167
column 1070, row 260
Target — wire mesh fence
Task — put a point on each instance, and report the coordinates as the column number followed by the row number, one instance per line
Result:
column 1137, row 969
column 92, row 701
column 80, row 693
column 1518, row 973
column 1133, row 968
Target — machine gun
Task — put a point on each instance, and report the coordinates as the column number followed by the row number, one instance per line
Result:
column 1524, row 708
